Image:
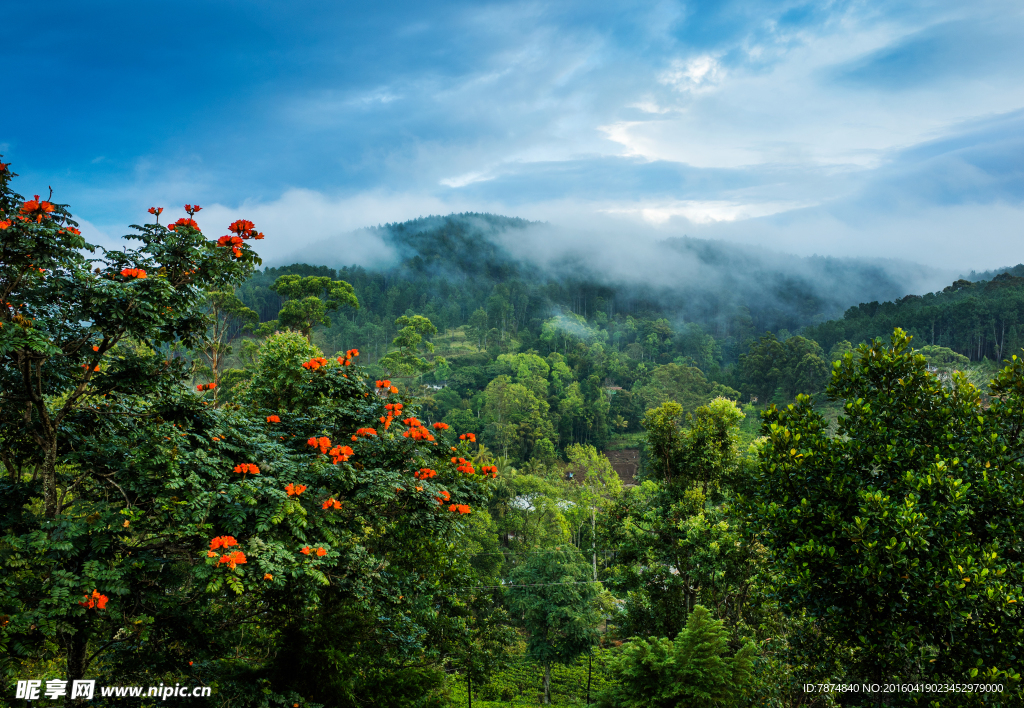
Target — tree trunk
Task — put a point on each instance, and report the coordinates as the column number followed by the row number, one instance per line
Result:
column 547, row 683
column 469, row 683
column 77, row 645
column 593, row 537
column 590, row 672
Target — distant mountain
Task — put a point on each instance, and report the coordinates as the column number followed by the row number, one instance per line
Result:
column 684, row 279
column 1017, row 271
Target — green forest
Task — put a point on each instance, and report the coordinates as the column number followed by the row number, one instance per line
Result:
column 466, row 479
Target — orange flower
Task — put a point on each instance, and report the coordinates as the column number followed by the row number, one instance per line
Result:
column 242, row 227
column 232, row 559
column 385, row 384
column 96, row 600
column 36, row 208
column 314, row 363
column 95, row 348
column 468, row 436
column 133, row 273
column 322, row 443
column 295, row 490
column 247, row 468
column 341, row 453
column 366, row 431
column 424, row 473
column 156, row 210
column 440, row 426
column 394, row 389
column 4, row 224
column 266, row 576
column 192, row 209
column 351, row 353
column 273, row 419
column 184, row 222
column 206, row 387
column 305, row 550
column 222, row 542
column 321, row 552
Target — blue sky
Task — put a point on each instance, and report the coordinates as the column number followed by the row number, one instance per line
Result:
column 890, row 129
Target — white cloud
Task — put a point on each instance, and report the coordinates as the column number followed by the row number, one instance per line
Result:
column 697, row 74
column 702, row 212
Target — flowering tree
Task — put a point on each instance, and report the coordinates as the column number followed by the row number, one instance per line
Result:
column 148, row 534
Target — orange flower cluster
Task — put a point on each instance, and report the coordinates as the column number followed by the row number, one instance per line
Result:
column 424, row 473
column 232, row 559
column 192, row 209
column 468, row 436
column 461, row 508
column 133, row 273
column 273, row 419
column 363, row 431
column 295, row 490
column 247, row 468
column 222, row 542
column 441, row 426
column 490, row 470
column 86, row 367
column 4, row 224
column 38, row 209
column 206, row 387
column 347, row 359
column 384, row 384
column 70, row 230
column 324, row 444
column 314, row 363
column 245, row 229
column 464, row 466
column 331, row 503
column 341, row 453
column 416, row 430
column 96, row 600
column 156, row 211
column 443, row 497
column 305, row 550
column 184, row 222
column 234, row 242
column 393, row 409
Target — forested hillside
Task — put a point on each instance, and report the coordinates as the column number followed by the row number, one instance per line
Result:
column 574, row 355
column 983, row 319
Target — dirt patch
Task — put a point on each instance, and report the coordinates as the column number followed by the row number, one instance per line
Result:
column 625, row 463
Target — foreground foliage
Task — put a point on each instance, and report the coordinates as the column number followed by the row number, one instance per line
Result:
column 901, row 535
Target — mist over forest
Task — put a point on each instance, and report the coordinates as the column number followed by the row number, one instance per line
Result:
column 686, row 279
